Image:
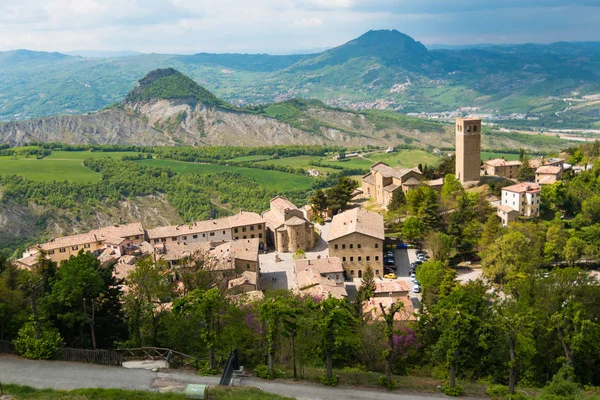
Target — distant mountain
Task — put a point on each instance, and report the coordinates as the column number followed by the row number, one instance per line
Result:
column 168, row 108
column 555, row 85
column 102, row 54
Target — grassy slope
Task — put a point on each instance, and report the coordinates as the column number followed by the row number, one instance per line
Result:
column 274, row 180
column 215, row 393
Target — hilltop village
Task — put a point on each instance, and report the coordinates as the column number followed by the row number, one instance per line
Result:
column 283, row 248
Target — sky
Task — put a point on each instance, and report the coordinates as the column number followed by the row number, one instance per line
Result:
column 284, row 26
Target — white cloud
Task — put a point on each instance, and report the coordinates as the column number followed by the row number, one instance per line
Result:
column 279, row 26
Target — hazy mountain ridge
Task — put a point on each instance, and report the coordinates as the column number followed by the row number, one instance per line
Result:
column 379, row 69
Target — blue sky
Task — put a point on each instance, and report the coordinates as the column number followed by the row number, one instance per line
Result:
column 284, row 26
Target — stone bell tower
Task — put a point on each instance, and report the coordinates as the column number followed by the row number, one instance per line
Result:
column 468, row 149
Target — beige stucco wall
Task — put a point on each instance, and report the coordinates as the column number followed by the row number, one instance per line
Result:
column 370, row 252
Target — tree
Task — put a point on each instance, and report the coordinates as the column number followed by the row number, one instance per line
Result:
column 556, row 239
column 319, row 202
column 492, row 230
column 452, row 190
column 437, row 280
column 75, row 294
column 339, row 195
column 274, row 312
column 440, row 245
column 207, row 306
column 525, row 173
column 148, row 287
column 412, row 229
column 509, row 257
column 398, row 200
column 333, row 320
column 423, row 204
column 574, row 250
column 389, row 353
column 367, row 285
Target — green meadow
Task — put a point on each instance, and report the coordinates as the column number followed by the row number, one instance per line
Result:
column 275, row 180
column 48, row 169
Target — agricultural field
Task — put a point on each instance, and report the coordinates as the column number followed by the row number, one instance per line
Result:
column 272, row 180
column 298, row 162
column 488, row 155
column 48, row 169
column 82, row 155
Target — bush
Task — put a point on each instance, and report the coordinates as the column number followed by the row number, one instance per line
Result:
column 456, row 391
column 497, row 391
column 205, row 370
column 391, row 385
column 562, row 387
column 333, row 381
column 262, row 371
column 43, row 348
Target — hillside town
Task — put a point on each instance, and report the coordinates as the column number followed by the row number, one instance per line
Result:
column 283, row 248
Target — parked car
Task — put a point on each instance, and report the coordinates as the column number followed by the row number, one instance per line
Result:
column 419, row 252
column 389, row 253
column 422, row 257
column 417, row 288
column 388, row 261
column 390, row 276
column 413, row 277
column 388, row 270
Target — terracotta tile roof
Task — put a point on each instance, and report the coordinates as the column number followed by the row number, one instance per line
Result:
column 549, row 169
column 412, row 182
column 500, row 162
column 273, row 219
column 244, row 249
column 295, row 221
column 324, row 291
column 68, row 241
column 248, row 277
column 356, row 220
column 119, row 231
column 28, row 262
column 391, row 187
column 435, row 182
column 242, row 219
column 176, row 251
column 328, row 265
column 506, row 209
column 280, row 204
column 371, row 308
column 391, row 287
column 523, row 187
column 369, row 178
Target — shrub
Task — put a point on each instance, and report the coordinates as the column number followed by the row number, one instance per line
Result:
column 497, row 391
column 333, row 381
column 262, row 371
column 205, row 370
column 562, row 387
column 456, row 391
column 43, row 348
column 391, row 385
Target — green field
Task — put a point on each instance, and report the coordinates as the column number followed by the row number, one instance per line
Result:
column 273, row 180
column 48, row 169
column 402, row 158
column 257, row 157
column 82, row 155
column 298, row 162
column 488, row 155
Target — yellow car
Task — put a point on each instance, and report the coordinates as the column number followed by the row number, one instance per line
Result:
column 390, row 276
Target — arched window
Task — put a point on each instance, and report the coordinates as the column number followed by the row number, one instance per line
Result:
column 468, row 128
column 475, row 128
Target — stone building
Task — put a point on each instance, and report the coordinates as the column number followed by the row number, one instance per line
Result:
column 468, row 149
column 501, row 167
column 322, row 277
column 548, row 174
column 356, row 237
column 522, row 199
column 287, row 228
column 382, row 181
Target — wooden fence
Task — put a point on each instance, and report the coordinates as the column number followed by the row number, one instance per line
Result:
column 174, row 358
column 103, row 357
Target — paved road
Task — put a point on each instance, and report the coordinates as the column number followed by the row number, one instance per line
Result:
column 67, row 375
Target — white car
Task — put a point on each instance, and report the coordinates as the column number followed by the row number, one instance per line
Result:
column 417, row 288
column 413, row 277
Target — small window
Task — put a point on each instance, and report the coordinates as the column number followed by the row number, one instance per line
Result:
column 50, row 251
column 156, row 240
column 359, row 258
column 236, row 238
column 163, row 240
column 376, row 272
column 368, row 258
column 87, row 245
column 173, row 239
column 352, row 272
column 351, row 246
column 251, row 227
column 376, row 245
column 252, row 236
column 244, row 237
column 75, row 247
column 247, row 266
column 376, row 258
column 244, row 229
column 335, row 246
column 235, row 230
column 343, row 246
column 195, row 237
column 212, row 234
column 351, row 259
column 63, row 250
column 358, row 245
column 260, row 235
column 204, row 235
column 344, row 259
column 223, row 232
column 184, row 237
column 258, row 226
column 475, row 128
